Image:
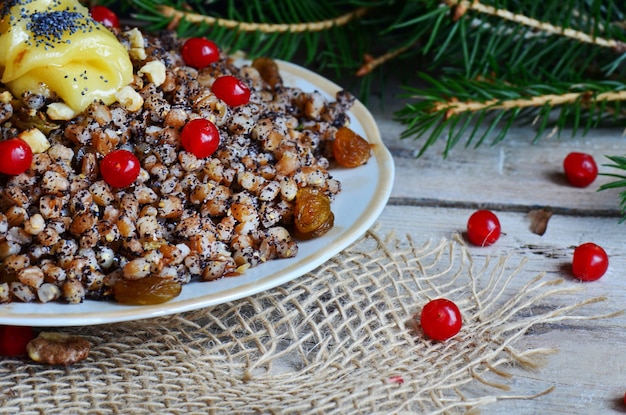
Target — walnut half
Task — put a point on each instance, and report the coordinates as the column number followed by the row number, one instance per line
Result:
column 58, row 348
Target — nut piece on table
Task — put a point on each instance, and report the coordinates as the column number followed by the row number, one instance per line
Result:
column 58, row 348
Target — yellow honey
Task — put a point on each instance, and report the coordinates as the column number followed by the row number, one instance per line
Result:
column 55, row 47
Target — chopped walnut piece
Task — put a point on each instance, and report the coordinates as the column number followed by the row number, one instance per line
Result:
column 58, row 349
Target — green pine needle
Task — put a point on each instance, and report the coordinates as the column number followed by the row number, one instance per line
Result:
column 619, row 162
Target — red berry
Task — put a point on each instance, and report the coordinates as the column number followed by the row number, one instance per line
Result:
column 200, row 137
column 199, row 52
column 105, row 16
column 231, row 90
column 580, row 169
column 13, row 340
column 119, row 168
column 590, row 262
column 483, row 228
column 15, row 156
column 441, row 319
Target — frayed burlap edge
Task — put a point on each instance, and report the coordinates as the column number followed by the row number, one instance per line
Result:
column 340, row 340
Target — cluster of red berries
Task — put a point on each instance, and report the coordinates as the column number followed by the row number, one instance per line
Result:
column 199, row 136
column 440, row 319
column 590, row 261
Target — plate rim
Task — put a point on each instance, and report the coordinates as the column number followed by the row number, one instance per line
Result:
column 357, row 228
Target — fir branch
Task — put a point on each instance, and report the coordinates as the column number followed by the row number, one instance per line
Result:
column 462, row 6
column 489, row 39
column 330, row 33
column 242, row 26
column 455, row 103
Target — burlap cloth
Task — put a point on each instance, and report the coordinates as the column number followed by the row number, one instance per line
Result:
column 338, row 340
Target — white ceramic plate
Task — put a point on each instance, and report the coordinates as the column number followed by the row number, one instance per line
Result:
column 365, row 191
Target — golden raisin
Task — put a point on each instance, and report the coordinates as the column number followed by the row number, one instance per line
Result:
column 312, row 214
column 145, row 291
column 349, row 148
column 268, row 69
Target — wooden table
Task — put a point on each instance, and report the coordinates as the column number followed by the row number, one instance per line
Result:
column 513, row 178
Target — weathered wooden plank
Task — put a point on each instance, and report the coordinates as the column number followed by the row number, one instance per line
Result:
column 514, row 173
column 432, row 199
column 588, row 372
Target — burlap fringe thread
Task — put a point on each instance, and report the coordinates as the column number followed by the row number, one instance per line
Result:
column 339, row 340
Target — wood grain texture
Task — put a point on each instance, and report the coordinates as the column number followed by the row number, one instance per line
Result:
column 433, row 197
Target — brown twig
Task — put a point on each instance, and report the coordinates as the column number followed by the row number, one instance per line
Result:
column 454, row 107
column 371, row 63
column 319, row 26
